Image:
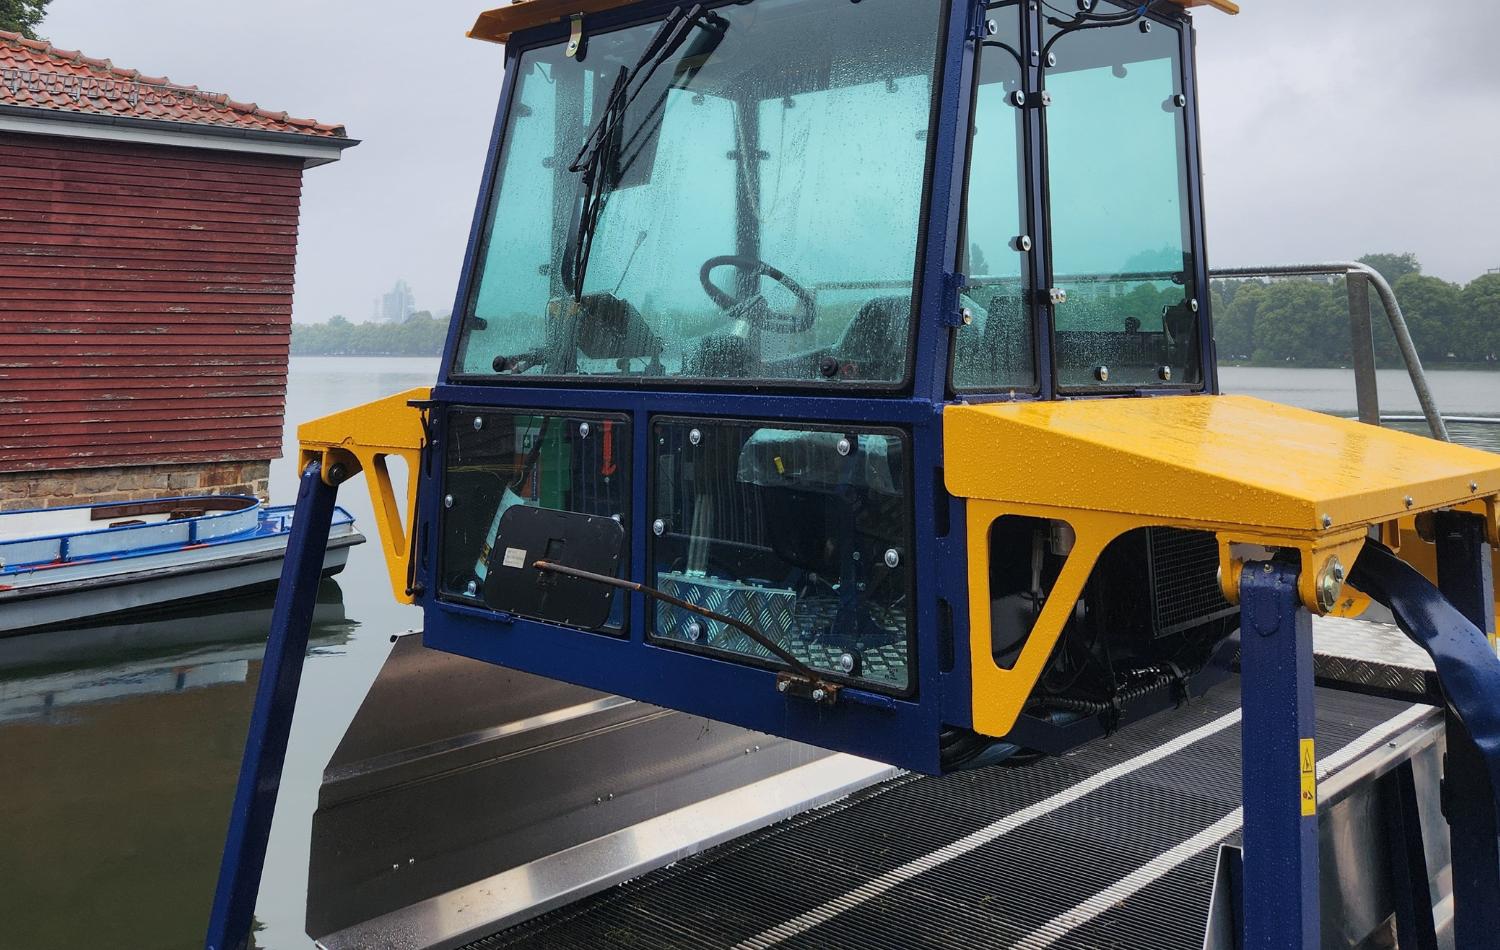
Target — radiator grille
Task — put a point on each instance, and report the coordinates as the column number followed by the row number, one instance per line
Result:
column 1185, row 583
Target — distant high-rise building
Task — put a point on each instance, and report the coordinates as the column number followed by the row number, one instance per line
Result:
column 397, row 306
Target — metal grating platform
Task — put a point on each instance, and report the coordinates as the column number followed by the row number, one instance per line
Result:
column 1110, row 846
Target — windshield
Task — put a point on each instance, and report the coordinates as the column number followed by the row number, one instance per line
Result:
column 755, row 217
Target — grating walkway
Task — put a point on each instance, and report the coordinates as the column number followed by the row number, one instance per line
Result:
column 1066, row 853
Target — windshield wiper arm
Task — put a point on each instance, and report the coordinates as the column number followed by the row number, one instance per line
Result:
column 596, row 161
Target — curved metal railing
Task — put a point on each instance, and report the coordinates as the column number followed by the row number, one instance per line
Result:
column 1359, row 278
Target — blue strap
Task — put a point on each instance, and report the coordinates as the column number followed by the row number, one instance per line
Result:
column 1467, row 667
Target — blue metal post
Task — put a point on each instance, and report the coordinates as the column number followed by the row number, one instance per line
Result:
column 271, row 721
column 1467, row 582
column 1276, row 742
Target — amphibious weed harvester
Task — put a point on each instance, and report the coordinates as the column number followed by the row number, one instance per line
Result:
column 843, row 370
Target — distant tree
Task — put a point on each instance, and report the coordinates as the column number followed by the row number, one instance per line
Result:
column 1481, row 301
column 422, row 335
column 1299, row 321
column 978, row 266
column 1393, row 267
column 1434, row 314
column 22, row 16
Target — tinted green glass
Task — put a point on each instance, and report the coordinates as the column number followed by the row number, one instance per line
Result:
column 995, row 351
column 1121, row 244
column 799, row 142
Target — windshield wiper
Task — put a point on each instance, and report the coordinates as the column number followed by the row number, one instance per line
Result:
column 597, row 160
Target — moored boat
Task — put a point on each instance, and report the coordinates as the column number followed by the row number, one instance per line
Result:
column 64, row 565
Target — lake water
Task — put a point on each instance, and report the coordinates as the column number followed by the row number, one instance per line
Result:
column 120, row 757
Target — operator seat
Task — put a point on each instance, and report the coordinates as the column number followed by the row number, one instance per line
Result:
column 875, row 343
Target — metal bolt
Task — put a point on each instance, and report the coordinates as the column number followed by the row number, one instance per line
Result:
column 1265, row 567
column 583, row 430
column 1023, row 242
column 991, row 27
column 1051, row 59
column 1473, row 486
column 783, row 685
column 1164, row 373
column 695, row 436
column 1145, row 26
column 1409, row 501
column 599, row 800
column 1018, row 97
column 845, row 663
column 478, row 423
column 1327, row 521
column 1180, row 100
column 471, row 588
column 818, row 695
column 843, row 447
column 693, row 630
column 658, row 527
column 1330, row 584
column 892, row 557
column 966, row 315
column 447, row 501
column 1101, row 373
column 617, row 519
column 1193, row 305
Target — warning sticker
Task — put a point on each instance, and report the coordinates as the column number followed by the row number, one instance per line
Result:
column 1309, row 770
column 514, row 557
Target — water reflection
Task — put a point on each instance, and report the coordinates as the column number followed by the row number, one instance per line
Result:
column 121, row 744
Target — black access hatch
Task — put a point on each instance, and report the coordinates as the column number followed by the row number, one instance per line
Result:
column 529, row 534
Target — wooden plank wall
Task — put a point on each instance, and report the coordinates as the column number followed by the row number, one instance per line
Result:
column 145, row 303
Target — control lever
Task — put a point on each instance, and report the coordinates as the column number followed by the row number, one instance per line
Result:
column 801, row 681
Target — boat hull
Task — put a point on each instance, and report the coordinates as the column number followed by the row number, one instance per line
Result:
column 86, row 592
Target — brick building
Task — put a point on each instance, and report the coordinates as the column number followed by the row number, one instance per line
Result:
column 148, row 237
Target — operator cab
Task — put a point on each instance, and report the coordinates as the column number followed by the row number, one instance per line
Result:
column 731, row 263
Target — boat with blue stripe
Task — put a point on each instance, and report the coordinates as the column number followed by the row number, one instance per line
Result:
column 78, row 563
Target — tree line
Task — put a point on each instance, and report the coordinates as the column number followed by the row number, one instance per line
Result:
column 421, row 335
column 1306, row 320
column 1294, row 320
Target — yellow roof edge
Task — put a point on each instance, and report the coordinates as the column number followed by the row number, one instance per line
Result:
column 1224, row 6
column 497, row 25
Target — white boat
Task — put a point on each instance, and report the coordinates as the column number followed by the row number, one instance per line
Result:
column 66, row 565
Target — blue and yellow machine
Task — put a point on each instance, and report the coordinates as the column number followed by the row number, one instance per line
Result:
column 844, row 370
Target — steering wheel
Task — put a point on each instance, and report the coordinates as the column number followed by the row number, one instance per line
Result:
column 754, row 309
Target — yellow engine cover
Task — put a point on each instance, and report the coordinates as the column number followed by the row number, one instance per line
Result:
column 1249, row 470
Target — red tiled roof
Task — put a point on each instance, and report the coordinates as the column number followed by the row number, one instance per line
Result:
column 36, row 74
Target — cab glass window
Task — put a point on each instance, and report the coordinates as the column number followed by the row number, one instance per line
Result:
column 995, row 350
column 803, row 533
column 1120, row 234
column 497, row 459
column 754, row 214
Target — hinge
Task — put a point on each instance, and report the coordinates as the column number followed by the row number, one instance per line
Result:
column 577, row 43
column 978, row 13
column 1030, row 100
column 952, row 314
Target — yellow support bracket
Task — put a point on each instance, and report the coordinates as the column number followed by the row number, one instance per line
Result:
column 1252, row 473
column 361, row 439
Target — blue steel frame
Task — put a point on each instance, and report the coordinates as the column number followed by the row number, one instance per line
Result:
column 271, row 721
column 1280, row 901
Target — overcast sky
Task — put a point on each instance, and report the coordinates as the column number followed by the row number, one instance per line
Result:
column 1331, row 128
